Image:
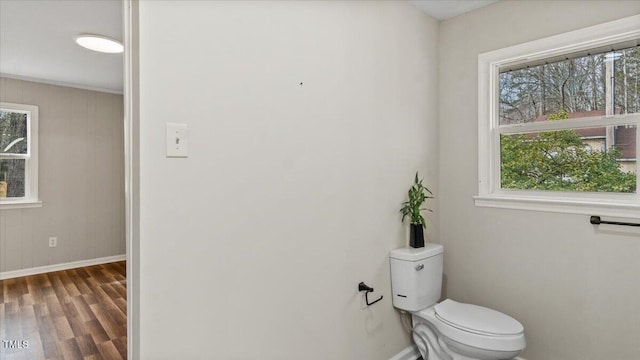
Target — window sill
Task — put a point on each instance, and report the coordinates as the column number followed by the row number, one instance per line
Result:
column 560, row 205
column 20, row 204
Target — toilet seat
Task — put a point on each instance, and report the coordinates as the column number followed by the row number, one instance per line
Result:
column 477, row 319
column 476, row 326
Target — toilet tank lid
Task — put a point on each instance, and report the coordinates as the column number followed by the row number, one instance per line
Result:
column 416, row 254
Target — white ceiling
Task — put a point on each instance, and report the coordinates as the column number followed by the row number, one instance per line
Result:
column 37, row 38
column 37, row 42
column 445, row 9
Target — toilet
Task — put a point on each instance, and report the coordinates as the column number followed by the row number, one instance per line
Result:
column 448, row 330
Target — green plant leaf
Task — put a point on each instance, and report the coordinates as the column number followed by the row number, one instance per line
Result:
column 417, row 195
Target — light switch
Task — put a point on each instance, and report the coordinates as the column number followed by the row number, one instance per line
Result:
column 177, row 140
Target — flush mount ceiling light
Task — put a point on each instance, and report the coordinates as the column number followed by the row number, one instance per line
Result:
column 100, row 43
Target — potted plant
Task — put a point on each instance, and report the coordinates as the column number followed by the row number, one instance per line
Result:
column 413, row 208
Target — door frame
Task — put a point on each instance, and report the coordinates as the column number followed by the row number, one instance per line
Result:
column 132, row 170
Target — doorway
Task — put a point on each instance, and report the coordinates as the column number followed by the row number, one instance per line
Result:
column 63, row 256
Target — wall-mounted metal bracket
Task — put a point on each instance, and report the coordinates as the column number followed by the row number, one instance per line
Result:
column 363, row 287
column 595, row 220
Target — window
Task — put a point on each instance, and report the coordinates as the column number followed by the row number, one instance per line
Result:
column 18, row 156
column 558, row 123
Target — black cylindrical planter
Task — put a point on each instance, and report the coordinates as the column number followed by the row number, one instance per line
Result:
column 416, row 236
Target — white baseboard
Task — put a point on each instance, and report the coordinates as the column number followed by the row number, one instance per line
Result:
column 58, row 267
column 411, row 352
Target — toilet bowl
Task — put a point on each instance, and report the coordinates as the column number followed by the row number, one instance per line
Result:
column 448, row 330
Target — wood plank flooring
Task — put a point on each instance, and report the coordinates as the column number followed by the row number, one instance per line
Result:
column 72, row 314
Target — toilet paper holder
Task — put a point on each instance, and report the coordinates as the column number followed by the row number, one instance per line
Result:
column 363, row 287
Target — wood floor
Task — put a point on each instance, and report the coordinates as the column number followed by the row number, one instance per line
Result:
column 72, row 314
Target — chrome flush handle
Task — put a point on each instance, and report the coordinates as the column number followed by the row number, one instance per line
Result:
column 419, row 267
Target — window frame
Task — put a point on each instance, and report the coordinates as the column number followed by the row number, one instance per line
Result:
column 490, row 194
column 30, row 198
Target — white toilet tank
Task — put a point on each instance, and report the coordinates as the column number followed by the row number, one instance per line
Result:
column 416, row 276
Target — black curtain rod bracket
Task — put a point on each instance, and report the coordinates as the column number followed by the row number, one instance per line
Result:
column 595, row 220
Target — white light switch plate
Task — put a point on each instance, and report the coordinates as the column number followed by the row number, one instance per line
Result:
column 177, row 140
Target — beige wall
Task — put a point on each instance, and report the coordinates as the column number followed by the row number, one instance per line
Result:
column 575, row 288
column 253, row 247
column 81, row 178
